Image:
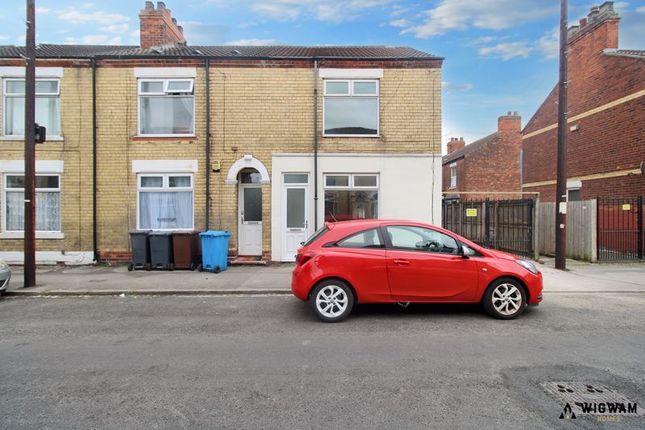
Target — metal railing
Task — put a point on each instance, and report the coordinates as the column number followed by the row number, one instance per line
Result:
column 620, row 228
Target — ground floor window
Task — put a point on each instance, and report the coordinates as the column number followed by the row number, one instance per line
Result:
column 47, row 203
column 165, row 202
column 350, row 196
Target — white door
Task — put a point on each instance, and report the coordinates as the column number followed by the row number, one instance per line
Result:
column 295, row 224
column 250, row 217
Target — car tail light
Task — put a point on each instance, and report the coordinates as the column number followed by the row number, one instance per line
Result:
column 303, row 258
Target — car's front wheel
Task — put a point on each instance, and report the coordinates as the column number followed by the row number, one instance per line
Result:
column 505, row 299
column 332, row 300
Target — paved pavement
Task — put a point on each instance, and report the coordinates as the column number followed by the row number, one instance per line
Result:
column 265, row 362
column 275, row 279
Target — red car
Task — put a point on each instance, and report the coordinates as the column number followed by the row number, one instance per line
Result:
column 379, row 261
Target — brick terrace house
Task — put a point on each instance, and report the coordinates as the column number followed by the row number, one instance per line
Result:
column 488, row 165
column 606, row 117
column 266, row 142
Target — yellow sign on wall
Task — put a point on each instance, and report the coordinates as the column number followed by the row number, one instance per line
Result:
column 471, row 212
column 627, row 207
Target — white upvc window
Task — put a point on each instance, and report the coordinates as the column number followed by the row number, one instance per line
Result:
column 165, row 201
column 47, row 203
column 351, row 107
column 47, row 106
column 351, row 196
column 453, row 175
column 166, row 107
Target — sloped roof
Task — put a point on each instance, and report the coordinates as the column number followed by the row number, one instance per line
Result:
column 474, row 146
column 225, row 51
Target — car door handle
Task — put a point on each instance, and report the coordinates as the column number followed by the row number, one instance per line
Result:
column 401, row 262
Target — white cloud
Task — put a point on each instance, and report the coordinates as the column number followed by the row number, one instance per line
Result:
column 549, row 44
column 490, row 14
column 450, row 87
column 4, row 37
column 94, row 39
column 42, row 10
column 322, row 10
column 640, row 9
column 401, row 23
column 506, row 50
column 252, row 42
column 107, row 22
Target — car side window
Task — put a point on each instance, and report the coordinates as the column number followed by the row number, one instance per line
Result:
column 421, row 239
column 363, row 239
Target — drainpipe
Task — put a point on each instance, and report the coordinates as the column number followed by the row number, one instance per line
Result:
column 315, row 144
column 208, row 144
column 94, row 163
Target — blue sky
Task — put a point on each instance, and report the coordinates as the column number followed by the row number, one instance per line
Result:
column 501, row 55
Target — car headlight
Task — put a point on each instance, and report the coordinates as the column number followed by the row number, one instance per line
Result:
column 528, row 265
column 3, row 265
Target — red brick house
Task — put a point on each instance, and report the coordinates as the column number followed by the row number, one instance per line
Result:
column 488, row 165
column 606, row 117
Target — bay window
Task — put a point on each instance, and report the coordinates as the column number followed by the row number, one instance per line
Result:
column 351, row 108
column 350, row 196
column 165, row 202
column 166, row 107
column 47, row 106
column 47, row 203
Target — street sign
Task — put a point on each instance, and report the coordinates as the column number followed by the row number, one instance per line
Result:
column 471, row 212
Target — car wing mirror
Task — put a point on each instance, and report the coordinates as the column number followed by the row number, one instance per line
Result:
column 463, row 252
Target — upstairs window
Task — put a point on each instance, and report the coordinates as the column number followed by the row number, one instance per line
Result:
column 166, row 107
column 351, row 108
column 47, row 106
column 453, row 175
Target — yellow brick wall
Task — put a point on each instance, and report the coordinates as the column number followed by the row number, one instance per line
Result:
column 76, row 153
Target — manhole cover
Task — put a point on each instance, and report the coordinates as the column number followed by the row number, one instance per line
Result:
column 592, row 398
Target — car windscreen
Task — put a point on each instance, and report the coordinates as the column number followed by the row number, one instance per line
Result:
column 318, row 234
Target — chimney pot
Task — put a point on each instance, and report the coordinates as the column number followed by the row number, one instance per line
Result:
column 150, row 5
column 583, row 22
column 161, row 5
column 158, row 27
column 174, row 21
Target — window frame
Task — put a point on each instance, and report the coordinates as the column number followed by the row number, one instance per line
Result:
column 162, row 94
column 453, row 177
column 389, row 245
column 6, row 189
column 165, row 187
column 351, row 95
column 351, row 187
column 6, row 95
column 379, row 234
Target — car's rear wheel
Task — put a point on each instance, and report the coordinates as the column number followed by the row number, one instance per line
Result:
column 332, row 300
column 505, row 299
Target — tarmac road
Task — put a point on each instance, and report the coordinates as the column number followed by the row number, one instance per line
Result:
column 265, row 362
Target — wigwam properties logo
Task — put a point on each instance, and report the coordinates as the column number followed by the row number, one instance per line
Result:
column 567, row 413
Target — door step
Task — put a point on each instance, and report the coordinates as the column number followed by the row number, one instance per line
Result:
column 242, row 260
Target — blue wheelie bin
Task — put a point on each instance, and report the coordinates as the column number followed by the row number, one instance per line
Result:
column 214, row 250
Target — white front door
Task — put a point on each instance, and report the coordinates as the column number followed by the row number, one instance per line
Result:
column 295, row 223
column 250, row 217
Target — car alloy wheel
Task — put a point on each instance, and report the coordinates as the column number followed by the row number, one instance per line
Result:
column 505, row 299
column 332, row 301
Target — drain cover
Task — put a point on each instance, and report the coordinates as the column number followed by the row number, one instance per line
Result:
column 592, row 398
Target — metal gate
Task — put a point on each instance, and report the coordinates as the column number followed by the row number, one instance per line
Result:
column 620, row 228
column 507, row 225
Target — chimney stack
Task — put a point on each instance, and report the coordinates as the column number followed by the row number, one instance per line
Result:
column 511, row 122
column 455, row 144
column 602, row 20
column 158, row 27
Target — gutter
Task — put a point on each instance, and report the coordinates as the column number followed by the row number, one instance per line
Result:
column 208, row 144
column 315, row 144
column 94, row 167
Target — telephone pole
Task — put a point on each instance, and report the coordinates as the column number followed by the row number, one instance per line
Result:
column 561, row 187
column 30, row 147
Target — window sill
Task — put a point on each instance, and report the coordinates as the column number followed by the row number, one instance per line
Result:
column 39, row 235
column 368, row 136
column 164, row 138
column 22, row 138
